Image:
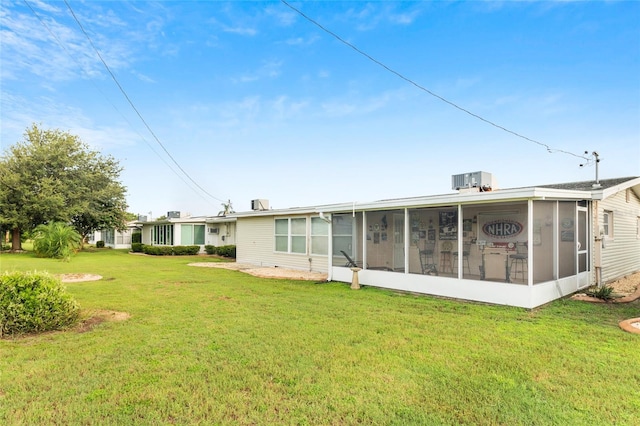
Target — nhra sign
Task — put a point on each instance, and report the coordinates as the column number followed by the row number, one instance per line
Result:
column 502, row 229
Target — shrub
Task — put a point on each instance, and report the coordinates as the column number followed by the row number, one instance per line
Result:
column 605, row 292
column 227, row 251
column 100, row 244
column 56, row 240
column 186, row 250
column 136, row 237
column 157, row 250
column 209, row 249
column 137, row 247
column 34, row 302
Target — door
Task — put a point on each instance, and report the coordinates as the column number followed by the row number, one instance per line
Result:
column 582, row 247
column 398, row 242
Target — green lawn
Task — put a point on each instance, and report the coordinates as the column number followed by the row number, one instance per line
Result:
column 212, row 346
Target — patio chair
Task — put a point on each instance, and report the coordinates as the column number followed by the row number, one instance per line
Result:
column 350, row 262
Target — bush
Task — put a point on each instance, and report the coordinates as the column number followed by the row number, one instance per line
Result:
column 34, row 302
column 157, row 250
column 226, row 251
column 186, row 250
column 56, row 240
column 209, row 249
column 604, row 292
column 100, row 244
column 137, row 247
column 136, row 237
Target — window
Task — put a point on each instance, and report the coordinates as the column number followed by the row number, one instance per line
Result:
column 319, row 236
column 607, row 223
column 162, row 235
column 291, row 235
column 192, row 235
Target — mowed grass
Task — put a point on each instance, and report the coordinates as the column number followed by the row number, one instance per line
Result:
column 213, row 346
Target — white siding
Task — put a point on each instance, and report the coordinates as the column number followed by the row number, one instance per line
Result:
column 621, row 254
column 256, row 241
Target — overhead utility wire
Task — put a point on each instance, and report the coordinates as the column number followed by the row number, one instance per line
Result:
column 408, row 80
column 134, row 107
column 62, row 45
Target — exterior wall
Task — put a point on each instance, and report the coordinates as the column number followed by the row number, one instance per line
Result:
column 621, row 253
column 226, row 234
column 256, row 246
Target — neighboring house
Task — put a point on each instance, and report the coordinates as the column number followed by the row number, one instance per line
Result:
column 520, row 246
column 184, row 230
column 113, row 238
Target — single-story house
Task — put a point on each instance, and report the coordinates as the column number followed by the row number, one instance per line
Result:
column 178, row 229
column 114, row 238
column 520, row 246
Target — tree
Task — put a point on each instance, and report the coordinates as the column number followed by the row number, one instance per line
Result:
column 52, row 176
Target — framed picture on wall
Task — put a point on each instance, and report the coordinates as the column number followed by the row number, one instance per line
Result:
column 431, row 234
column 467, row 225
column 448, row 221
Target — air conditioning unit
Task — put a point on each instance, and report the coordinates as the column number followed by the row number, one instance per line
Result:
column 142, row 218
column 173, row 215
column 214, row 230
column 472, row 180
column 259, row 204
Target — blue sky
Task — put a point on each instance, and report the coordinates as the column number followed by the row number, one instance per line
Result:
column 252, row 100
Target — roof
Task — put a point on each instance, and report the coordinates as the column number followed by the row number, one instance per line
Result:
column 561, row 191
column 192, row 219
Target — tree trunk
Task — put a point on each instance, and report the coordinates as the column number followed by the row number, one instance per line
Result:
column 16, row 241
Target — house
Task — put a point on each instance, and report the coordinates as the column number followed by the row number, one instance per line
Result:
column 179, row 229
column 520, row 246
column 114, row 238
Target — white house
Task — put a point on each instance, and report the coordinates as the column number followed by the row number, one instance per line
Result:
column 520, row 246
column 184, row 230
column 113, row 238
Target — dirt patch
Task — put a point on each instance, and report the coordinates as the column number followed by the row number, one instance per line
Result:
column 625, row 289
column 100, row 316
column 76, row 278
column 265, row 272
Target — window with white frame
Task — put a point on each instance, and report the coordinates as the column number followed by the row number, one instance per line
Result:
column 291, row 235
column 191, row 234
column 319, row 236
column 162, row 235
column 607, row 223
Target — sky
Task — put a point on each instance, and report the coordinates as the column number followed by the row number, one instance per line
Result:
column 311, row 103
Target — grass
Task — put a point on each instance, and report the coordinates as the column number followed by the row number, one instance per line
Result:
column 213, row 346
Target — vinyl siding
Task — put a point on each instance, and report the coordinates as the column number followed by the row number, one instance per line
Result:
column 255, row 246
column 621, row 254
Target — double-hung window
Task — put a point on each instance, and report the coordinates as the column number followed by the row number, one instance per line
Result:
column 319, row 236
column 607, row 223
column 291, row 235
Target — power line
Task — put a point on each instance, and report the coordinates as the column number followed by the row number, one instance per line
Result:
column 111, row 103
column 424, row 89
column 124, row 93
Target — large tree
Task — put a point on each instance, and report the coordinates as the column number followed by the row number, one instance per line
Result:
column 52, row 175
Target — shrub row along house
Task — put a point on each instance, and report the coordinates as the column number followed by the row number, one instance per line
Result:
column 520, row 246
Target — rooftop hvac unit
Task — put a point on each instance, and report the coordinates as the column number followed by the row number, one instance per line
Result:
column 472, row 180
column 259, row 204
column 142, row 218
column 173, row 215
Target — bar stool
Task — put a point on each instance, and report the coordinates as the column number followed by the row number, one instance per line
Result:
column 466, row 249
column 445, row 257
column 519, row 260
